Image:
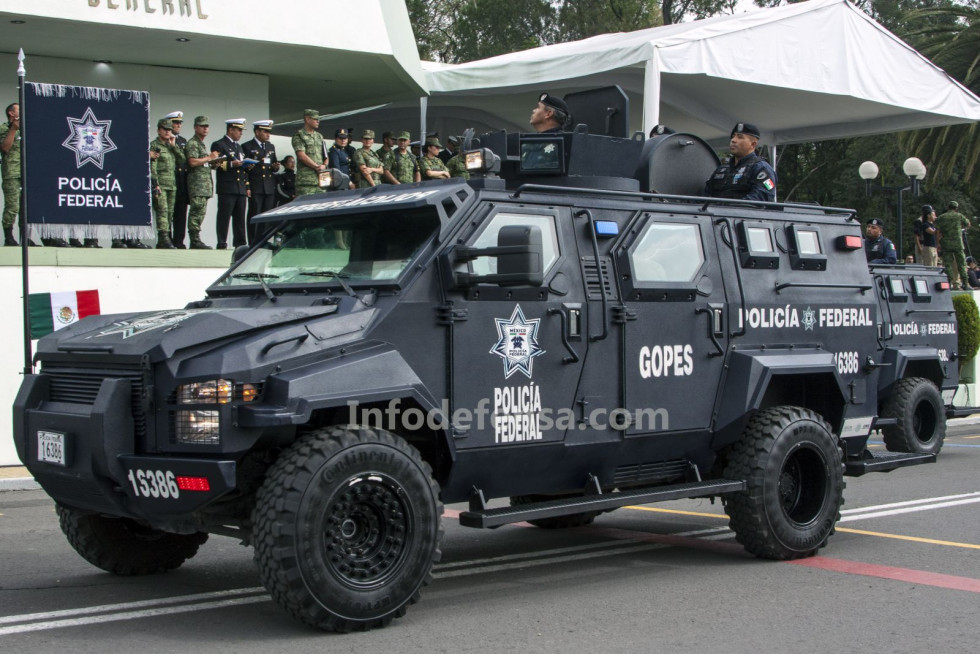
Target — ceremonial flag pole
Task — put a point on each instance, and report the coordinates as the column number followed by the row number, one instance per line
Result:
column 28, row 363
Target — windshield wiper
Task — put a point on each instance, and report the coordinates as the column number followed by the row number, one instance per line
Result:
column 339, row 276
column 261, row 277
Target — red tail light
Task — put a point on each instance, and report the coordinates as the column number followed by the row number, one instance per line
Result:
column 942, row 286
column 849, row 242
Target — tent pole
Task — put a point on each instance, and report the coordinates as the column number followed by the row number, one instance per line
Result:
column 423, row 108
column 21, row 72
column 775, row 162
column 651, row 92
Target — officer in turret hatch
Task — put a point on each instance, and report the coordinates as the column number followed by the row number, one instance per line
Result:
column 746, row 176
column 878, row 248
column 550, row 115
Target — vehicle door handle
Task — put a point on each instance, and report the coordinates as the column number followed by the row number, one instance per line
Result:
column 571, row 326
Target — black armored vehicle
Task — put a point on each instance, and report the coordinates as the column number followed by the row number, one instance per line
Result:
column 572, row 330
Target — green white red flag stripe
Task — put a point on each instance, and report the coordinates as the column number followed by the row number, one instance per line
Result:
column 52, row 311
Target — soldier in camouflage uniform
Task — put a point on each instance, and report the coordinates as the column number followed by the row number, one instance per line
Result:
column 404, row 167
column 10, row 145
column 308, row 144
column 367, row 162
column 457, row 163
column 951, row 225
column 200, row 187
column 431, row 165
column 384, row 153
column 163, row 177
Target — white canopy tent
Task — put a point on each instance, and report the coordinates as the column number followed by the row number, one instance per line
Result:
column 804, row 72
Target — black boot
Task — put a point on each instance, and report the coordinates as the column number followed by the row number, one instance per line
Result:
column 164, row 242
column 118, row 243
column 8, row 236
column 55, row 242
column 197, row 243
column 75, row 243
column 92, row 243
column 136, row 244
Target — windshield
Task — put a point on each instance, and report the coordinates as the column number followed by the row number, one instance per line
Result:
column 347, row 249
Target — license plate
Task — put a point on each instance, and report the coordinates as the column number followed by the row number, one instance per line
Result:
column 51, row 447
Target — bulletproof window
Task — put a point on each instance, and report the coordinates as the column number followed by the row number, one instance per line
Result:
column 668, row 252
column 896, row 289
column 805, row 249
column 543, row 155
column 756, row 246
column 488, row 238
column 920, row 290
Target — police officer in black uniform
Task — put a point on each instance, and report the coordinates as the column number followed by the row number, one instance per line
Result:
column 338, row 155
column 550, row 115
column 877, row 248
column 261, row 175
column 231, row 184
column 746, row 175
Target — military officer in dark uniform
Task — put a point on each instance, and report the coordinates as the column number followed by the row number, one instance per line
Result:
column 286, row 181
column 877, row 248
column 261, row 175
column 746, row 175
column 550, row 115
column 231, row 184
column 178, row 223
column 338, row 156
column 452, row 149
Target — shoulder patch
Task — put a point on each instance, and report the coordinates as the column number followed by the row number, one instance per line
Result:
column 762, row 175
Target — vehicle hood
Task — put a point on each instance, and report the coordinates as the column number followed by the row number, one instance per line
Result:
column 162, row 333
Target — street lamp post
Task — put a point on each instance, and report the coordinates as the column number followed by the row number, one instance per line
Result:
column 914, row 169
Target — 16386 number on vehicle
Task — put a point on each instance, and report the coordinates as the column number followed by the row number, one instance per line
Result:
column 158, row 484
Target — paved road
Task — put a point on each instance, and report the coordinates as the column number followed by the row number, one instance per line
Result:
column 901, row 575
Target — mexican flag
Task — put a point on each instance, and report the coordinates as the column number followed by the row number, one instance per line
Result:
column 52, row 311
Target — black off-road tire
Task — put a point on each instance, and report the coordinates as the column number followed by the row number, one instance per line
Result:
column 126, row 547
column 918, row 406
column 792, row 464
column 346, row 528
column 558, row 522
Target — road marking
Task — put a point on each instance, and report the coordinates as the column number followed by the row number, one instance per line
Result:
column 676, row 512
column 909, row 509
column 914, row 539
column 927, row 500
column 500, row 567
column 969, row 437
column 888, row 572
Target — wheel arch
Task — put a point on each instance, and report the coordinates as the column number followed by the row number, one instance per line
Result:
column 912, row 362
column 763, row 379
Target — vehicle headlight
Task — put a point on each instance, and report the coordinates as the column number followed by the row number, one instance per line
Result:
column 483, row 160
column 198, row 427
column 215, row 391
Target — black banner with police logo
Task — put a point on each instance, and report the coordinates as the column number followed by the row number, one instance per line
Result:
column 87, row 167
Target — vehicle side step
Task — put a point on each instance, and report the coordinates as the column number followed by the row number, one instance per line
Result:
column 884, row 462
column 487, row 518
column 962, row 411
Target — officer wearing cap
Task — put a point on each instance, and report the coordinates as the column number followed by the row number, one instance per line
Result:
column 550, row 115
column 384, row 154
column 162, row 180
column 337, row 155
column 367, row 162
column 746, row 175
column 200, row 187
column 431, row 165
column 178, row 222
column 310, row 154
column 262, row 174
column 951, row 225
column 877, row 248
column 457, row 163
column 231, row 183
column 404, row 167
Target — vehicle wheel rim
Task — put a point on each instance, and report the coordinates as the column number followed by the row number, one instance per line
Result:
column 802, row 486
column 366, row 531
column 924, row 422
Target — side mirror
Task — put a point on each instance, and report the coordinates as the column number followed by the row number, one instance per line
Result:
column 519, row 253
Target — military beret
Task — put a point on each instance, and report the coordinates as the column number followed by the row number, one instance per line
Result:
column 873, row 221
column 262, row 124
column 554, row 102
column 970, row 259
column 341, row 133
column 405, row 136
column 953, row 204
column 165, row 123
column 432, row 141
column 367, row 134
column 926, row 209
column 236, row 122
column 202, row 121
column 176, row 116
column 746, row 128
column 453, row 139
column 388, row 135
column 311, row 113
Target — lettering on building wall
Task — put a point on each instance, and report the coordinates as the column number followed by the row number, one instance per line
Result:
column 186, row 8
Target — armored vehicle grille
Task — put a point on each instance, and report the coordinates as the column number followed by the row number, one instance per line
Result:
column 644, row 473
column 591, row 275
column 80, row 384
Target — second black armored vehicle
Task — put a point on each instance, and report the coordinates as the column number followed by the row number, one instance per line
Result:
column 569, row 334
